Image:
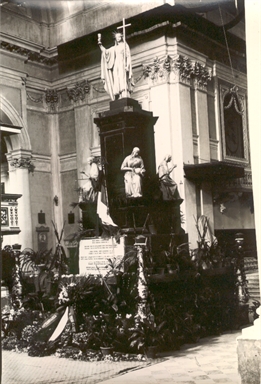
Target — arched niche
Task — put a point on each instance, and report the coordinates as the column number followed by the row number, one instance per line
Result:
column 10, row 116
column 16, row 179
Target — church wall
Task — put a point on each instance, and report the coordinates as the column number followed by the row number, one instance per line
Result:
column 31, row 71
column 41, row 200
column 67, row 132
column 24, row 28
column 84, row 128
column 70, row 195
column 41, row 73
column 84, row 131
column 38, row 128
column 95, row 18
column 13, row 62
column 237, row 215
column 13, row 95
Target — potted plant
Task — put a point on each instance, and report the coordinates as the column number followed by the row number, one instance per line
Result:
column 102, row 332
column 106, row 335
column 147, row 336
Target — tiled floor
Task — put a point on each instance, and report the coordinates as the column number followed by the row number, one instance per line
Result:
column 211, row 360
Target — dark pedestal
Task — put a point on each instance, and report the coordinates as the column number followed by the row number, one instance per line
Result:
column 122, row 128
column 89, row 217
column 125, row 126
column 164, row 216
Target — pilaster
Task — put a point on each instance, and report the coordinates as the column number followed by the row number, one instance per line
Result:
column 202, row 129
column 56, row 192
column 182, row 149
column 160, row 105
column 83, row 131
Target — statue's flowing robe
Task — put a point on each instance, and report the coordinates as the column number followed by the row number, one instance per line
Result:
column 133, row 179
column 90, row 188
column 115, row 75
column 168, row 186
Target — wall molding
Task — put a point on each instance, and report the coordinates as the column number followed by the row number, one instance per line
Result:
column 68, row 162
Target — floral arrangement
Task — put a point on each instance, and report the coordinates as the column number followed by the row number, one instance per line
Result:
column 74, row 288
column 19, row 327
column 129, row 314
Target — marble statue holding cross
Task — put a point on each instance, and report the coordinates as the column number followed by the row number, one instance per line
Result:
column 116, row 69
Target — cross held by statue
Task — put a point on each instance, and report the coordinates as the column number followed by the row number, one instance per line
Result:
column 123, row 27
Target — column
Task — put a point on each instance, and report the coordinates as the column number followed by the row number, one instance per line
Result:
column 19, row 183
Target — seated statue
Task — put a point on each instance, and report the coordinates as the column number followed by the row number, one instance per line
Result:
column 168, row 186
column 133, row 167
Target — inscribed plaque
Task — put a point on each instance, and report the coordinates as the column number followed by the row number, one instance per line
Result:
column 95, row 252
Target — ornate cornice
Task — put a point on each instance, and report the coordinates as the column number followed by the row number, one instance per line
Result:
column 42, row 57
column 14, row 48
column 181, row 65
column 78, row 91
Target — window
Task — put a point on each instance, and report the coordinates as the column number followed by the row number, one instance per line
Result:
column 233, row 119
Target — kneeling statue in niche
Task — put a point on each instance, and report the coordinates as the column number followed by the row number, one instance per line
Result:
column 133, row 167
column 168, row 186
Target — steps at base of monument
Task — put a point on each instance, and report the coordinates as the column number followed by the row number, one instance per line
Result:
column 250, row 264
column 253, row 284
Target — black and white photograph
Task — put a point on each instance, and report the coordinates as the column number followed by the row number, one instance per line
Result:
column 130, row 191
